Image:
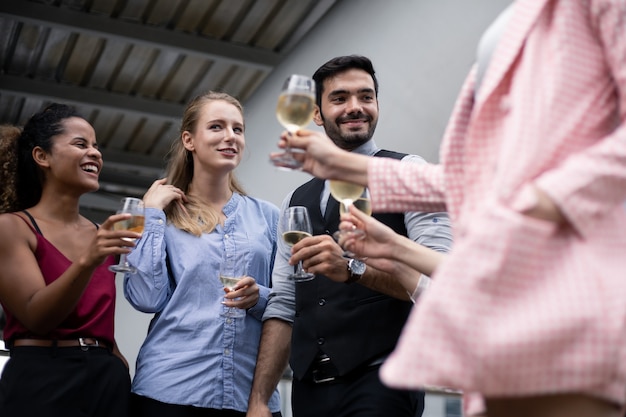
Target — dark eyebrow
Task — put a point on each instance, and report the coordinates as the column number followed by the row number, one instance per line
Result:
column 360, row 91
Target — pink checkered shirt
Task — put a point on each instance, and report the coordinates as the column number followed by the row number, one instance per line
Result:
column 521, row 307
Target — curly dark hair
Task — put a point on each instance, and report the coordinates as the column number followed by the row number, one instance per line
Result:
column 340, row 64
column 8, row 166
column 21, row 177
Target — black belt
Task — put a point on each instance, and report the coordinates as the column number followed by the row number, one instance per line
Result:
column 83, row 342
column 323, row 370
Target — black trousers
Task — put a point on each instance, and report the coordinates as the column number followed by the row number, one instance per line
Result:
column 147, row 407
column 360, row 394
column 64, row 382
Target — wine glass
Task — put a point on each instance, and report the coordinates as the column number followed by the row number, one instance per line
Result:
column 295, row 226
column 349, row 194
column 231, row 272
column 345, row 192
column 294, row 111
column 134, row 206
column 363, row 203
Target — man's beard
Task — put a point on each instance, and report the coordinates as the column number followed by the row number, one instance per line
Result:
column 349, row 140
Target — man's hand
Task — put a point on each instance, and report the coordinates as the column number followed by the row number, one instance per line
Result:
column 321, row 255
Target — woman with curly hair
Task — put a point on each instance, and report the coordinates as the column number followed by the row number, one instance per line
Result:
column 55, row 287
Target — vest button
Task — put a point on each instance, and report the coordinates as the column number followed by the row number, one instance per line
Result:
column 321, row 341
column 322, row 301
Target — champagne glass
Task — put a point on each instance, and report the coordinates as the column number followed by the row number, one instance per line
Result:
column 294, row 111
column 134, row 206
column 231, row 272
column 295, row 226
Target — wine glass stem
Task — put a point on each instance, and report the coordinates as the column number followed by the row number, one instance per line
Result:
column 123, row 261
column 288, row 148
column 299, row 269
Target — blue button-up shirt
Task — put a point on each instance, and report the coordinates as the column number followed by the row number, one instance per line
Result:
column 193, row 354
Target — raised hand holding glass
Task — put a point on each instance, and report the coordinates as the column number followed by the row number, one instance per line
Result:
column 294, row 111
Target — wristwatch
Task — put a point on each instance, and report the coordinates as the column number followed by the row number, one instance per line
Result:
column 357, row 269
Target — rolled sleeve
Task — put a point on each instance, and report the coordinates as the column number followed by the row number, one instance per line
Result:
column 281, row 303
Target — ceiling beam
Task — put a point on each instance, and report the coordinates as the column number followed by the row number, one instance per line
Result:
column 178, row 42
column 320, row 8
column 34, row 88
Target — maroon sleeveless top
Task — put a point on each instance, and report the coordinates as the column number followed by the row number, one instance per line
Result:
column 94, row 314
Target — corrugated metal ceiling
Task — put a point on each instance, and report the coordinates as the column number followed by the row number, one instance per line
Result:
column 131, row 65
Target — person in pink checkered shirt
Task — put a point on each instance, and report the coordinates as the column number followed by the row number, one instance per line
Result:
column 528, row 308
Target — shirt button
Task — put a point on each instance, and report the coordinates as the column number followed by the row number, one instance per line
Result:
column 229, row 321
column 321, row 302
column 160, row 221
column 321, row 341
column 226, row 352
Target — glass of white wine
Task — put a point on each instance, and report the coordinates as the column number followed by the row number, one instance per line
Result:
column 230, row 274
column 363, row 203
column 134, row 206
column 294, row 111
column 349, row 194
column 295, row 226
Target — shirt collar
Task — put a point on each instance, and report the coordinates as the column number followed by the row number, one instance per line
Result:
column 368, row 148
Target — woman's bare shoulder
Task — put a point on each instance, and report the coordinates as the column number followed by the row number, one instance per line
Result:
column 12, row 226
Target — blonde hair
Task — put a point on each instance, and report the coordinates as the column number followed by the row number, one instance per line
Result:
column 197, row 217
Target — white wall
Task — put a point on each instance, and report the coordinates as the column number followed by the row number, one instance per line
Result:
column 421, row 50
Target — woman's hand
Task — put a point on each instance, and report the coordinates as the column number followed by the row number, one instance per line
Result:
column 108, row 242
column 324, row 159
column 382, row 245
column 245, row 294
column 317, row 148
column 378, row 240
column 160, row 195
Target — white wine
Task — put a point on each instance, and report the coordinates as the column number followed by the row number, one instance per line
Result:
column 363, row 204
column 134, row 224
column 294, row 236
column 229, row 282
column 343, row 190
column 295, row 110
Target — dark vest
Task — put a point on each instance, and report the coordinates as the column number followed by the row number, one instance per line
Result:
column 350, row 323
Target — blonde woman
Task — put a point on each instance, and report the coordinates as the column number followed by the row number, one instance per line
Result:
column 198, row 359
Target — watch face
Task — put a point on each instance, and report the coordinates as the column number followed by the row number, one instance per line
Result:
column 357, row 267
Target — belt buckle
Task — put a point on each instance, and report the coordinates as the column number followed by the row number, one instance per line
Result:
column 320, row 379
column 84, row 346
